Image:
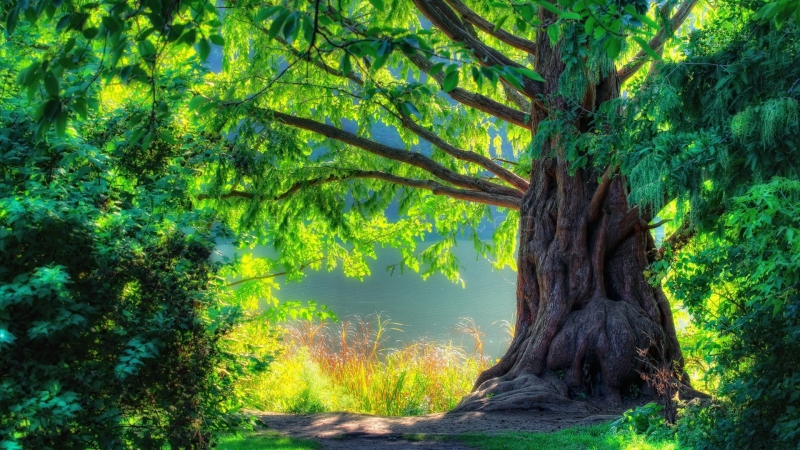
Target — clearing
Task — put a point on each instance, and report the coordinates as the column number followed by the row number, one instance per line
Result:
column 348, row 431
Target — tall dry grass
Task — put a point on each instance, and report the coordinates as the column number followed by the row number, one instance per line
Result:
column 347, row 367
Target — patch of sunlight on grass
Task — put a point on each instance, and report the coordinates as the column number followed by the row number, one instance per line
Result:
column 596, row 437
column 263, row 440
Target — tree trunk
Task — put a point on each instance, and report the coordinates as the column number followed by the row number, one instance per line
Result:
column 584, row 305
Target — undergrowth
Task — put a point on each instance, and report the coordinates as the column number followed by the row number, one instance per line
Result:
column 345, row 367
column 597, row 437
column 263, row 440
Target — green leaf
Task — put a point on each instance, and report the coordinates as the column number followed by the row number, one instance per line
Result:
column 217, row 39
column 290, row 27
column 344, row 64
column 277, row 24
column 11, row 19
column 512, row 76
column 203, row 49
column 436, row 68
column 79, row 106
column 411, row 109
column 500, row 22
column 378, row 4
column 90, row 33
column 148, row 138
column 550, row 7
column 646, row 47
column 61, row 123
column 51, row 84
column 266, row 13
column 196, row 102
column 554, row 32
column 528, row 73
column 613, row 47
column 146, row 48
column 450, row 81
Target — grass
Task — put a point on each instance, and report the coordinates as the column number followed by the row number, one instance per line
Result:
column 264, row 440
column 345, row 367
column 597, row 437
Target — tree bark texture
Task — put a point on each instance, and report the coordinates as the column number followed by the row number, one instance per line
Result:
column 584, row 305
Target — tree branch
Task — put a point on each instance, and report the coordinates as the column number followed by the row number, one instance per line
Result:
column 489, row 28
column 657, row 42
column 436, row 188
column 500, row 171
column 624, row 227
column 471, row 99
column 515, row 97
column 352, row 76
column 271, row 275
column 415, row 159
column 600, row 194
column 448, row 22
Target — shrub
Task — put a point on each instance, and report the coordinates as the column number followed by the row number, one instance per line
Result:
column 110, row 315
column 744, row 286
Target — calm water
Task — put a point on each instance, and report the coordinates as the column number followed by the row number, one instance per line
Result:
column 425, row 309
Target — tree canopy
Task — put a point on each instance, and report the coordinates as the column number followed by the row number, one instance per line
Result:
column 136, row 136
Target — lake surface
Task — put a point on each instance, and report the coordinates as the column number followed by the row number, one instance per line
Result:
column 424, row 309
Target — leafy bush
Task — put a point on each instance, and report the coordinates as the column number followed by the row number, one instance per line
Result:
column 745, row 286
column 110, row 315
column 640, row 420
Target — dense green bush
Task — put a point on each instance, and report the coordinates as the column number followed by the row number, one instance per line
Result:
column 745, row 287
column 110, row 318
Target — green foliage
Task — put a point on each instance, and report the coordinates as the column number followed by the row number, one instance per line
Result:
column 328, row 368
column 108, row 336
column 719, row 121
column 640, row 420
column 112, row 312
column 598, row 437
column 744, row 285
column 130, row 41
column 262, row 440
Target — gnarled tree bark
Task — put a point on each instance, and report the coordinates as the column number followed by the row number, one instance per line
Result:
column 584, row 305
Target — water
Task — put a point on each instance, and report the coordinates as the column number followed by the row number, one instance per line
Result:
column 426, row 309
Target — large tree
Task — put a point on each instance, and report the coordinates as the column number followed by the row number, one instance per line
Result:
column 307, row 89
column 335, row 114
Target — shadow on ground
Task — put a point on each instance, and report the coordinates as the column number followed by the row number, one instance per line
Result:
column 345, row 430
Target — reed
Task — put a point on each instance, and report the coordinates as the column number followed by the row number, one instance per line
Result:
column 348, row 367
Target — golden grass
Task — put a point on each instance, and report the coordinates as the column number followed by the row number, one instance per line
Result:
column 345, row 367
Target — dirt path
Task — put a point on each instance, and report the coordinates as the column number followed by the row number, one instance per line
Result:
column 357, row 431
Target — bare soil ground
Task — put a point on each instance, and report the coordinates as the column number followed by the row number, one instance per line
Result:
column 359, row 431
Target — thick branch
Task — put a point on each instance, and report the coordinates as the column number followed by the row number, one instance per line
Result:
column 504, row 201
column 448, row 22
column 515, row 97
column 625, row 226
column 500, row 171
column 489, row 28
column 415, row 159
column 658, row 41
column 599, row 197
column 477, row 101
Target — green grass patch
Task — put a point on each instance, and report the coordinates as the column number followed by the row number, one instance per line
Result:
column 597, row 437
column 264, row 440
